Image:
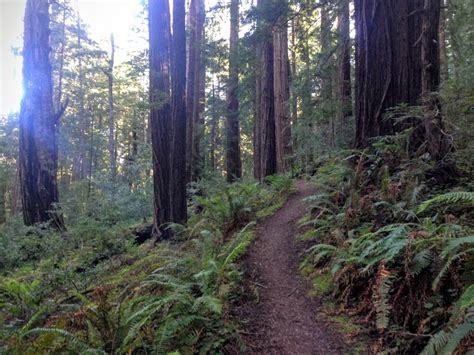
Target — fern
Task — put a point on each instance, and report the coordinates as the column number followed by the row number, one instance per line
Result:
column 460, row 333
column 382, row 305
column 71, row 340
column 436, row 343
column 448, row 199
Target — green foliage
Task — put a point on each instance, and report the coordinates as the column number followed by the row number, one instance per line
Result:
column 94, row 291
column 447, row 200
column 386, row 262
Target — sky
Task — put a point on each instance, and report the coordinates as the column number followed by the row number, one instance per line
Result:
column 102, row 17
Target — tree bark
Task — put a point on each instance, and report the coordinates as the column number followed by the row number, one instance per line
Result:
column 438, row 144
column 233, row 160
column 214, row 126
column 388, row 62
column 281, row 94
column 38, row 120
column 190, row 92
column 178, row 113
column 442, row 43
column 345, row 94
column 264, row 135
column 199, row 94
column 160, row 110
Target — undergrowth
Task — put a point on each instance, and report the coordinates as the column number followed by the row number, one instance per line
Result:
column 94, row 290
column 397, row 239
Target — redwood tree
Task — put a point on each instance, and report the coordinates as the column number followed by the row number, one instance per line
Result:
column 281, row 89
column 178, row 113
column 388, row 62
column 345, row 95
column 265, row 160
column 233, row 162
column 160, row 108
column 38, row 120
column 193, row 78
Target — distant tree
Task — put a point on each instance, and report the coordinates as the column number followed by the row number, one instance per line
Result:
column 38, row 120
column 178, row 113
column 110, row 85
column 160, row 109
column 233, row 161
column 194, row 86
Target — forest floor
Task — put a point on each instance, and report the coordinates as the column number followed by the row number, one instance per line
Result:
column 283, row 320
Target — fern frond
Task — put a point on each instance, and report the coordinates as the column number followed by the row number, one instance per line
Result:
column 460, row 333
column 421, row 261
column 448, row 199
column 436, row 343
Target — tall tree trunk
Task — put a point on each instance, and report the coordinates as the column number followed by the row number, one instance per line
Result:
column 281, row 93
column 78, row 168
column 199, row 93
column 388, row 62
column 345, row 95
column 294, row 97
column 233, row 160
column 264, row 135
column 59, row 90
column 178, row 113
column 112, row 141
column 190, row 92
column 430, row 75
column 38, row 120
column 438, row 144
column 160, row 110
column 442, row 43
column 214, row 124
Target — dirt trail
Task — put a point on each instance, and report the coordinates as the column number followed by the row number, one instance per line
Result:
column 283, row 321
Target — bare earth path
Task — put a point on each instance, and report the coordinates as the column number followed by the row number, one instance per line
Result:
column 283, row 321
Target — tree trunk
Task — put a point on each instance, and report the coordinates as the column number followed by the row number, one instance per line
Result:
column 438, row 144
column 214, row 124
column 38, row 120
column 233, row 160
column 59, row 91
column 388, row 62
column 444, row 62
column 294, row 97
column 264, row 135
column 112, row 141
column 160, row 110
column 178, row 113
column 199, row 94
column 281, row 94
column 345, row 95
column 78, row 169
column 190, row 92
